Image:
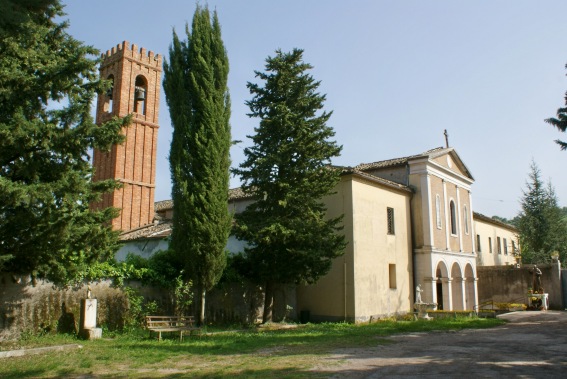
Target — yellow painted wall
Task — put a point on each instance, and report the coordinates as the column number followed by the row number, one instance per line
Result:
column 486, row 230
column 375, row 250
column 332, row 297
column 358, row 285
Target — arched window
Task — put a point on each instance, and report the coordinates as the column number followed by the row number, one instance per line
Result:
column 438, row 211
column 109, row 95
column 453, row 217
column 140, row 92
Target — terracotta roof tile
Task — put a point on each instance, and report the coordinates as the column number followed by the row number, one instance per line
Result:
column 160, row 230
column 398, row 161
column 481, row 217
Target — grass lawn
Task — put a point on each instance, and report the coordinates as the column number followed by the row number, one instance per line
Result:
column 267, row 352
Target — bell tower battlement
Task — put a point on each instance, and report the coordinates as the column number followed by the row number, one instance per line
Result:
column 135, row 75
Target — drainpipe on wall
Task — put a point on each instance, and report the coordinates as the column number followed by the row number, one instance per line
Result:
column 345, row 288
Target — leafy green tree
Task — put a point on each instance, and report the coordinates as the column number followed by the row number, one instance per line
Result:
column 48, row 81
column 541, row 226
column 560, row 122
column 195, row 84
column 288, row 170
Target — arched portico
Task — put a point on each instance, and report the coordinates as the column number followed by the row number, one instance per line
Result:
column 442, row 287
column 470, row 287
column 457, row 287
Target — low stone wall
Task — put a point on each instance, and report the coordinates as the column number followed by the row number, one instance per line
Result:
column 509, row 284
column 27, row 305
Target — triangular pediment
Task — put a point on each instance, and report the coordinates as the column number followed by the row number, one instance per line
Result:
column 449, row 159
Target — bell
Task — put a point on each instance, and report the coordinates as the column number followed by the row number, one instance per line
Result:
column 140, row 94
column 109, row 93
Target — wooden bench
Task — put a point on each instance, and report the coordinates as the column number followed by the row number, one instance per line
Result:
column 159, row 324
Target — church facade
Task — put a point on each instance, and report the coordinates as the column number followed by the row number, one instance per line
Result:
column 408, row 221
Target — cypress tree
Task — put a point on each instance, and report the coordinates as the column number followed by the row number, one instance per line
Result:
column 288, row 170
column 195, row 84
column 48, row 80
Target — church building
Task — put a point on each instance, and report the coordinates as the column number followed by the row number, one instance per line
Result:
column 408, row 221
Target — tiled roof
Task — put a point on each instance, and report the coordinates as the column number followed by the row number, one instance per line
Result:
column 399, row 161
column 233, row 194
column 237, row 194
column 159, row 230
column 481, row 217
column 163, row 205
column 376, row 179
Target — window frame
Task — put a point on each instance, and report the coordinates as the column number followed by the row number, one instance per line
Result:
column 453, row 217
column 390, row 221
column 392, row 276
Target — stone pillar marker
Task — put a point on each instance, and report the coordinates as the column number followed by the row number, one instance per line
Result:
column 87, row 325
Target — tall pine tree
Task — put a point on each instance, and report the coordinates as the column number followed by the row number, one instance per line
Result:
column 48, row 81
column 195, row 84
column 288, row 170
column 542, row 229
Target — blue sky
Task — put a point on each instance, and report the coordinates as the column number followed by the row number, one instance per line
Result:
column 396, row 74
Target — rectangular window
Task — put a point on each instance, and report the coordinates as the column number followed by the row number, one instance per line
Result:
column 498, row 247
column 490, row 245
column 513, row 247
column 392, row 272
column 505, row 246
column 478, row 243
column 391, row 229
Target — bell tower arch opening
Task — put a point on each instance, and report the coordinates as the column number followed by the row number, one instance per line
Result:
column 140, row 90
column 136, row 80
column 109, row 95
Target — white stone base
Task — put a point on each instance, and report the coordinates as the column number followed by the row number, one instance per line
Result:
column 92, row 334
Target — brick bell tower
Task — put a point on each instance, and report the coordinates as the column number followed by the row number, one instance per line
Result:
column 136, row 78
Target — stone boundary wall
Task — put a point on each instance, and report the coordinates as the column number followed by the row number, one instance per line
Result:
column 509, row 284
column 36, row 306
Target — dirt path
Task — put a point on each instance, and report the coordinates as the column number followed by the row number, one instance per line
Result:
column 531, row 345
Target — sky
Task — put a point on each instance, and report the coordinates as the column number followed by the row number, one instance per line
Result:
column 396, row 74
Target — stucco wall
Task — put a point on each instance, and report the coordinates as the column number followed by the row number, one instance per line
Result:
column 332, row 297
column 508, row 284
column 358, row 286
column 376, row 250
column 143, row 248
column 486, row 230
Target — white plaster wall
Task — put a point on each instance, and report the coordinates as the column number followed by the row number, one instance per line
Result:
column 143, row 248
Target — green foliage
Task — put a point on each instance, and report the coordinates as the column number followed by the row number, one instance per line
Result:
column 118, row 272
column 47, row 82
column 159, row 270
column 560, row 122
column 288, row 170
column 195, row 84
column 234, row 353
column 183, row 296
column 136, row 312
column 542, row 227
